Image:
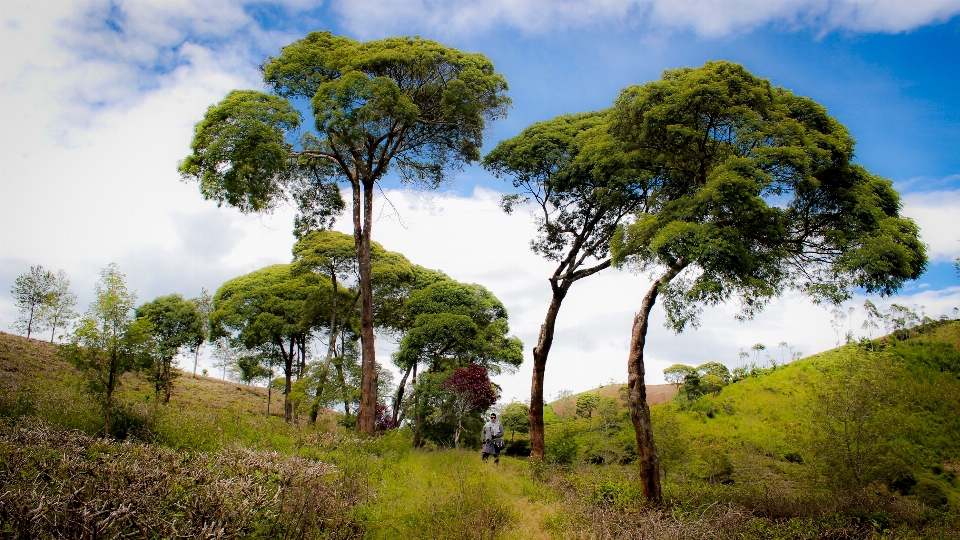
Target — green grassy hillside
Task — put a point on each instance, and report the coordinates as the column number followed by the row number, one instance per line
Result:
column 748, row 462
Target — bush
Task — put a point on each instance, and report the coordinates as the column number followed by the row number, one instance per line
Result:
column 929, row 493
column 562, row 447
column 519, row 448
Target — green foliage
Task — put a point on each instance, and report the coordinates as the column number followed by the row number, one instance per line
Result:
column 31, row 291
column 516, row 418
column 677, row 373
column 175, row 323
column 586, row 403
column 240, row 154
column 856, row 420
column 562, row 446
column 455, row 324
column 109, row 341
column 728, row 153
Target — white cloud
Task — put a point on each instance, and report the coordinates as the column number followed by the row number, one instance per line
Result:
column 938, row 215
column 470, row 239
column 710, row 18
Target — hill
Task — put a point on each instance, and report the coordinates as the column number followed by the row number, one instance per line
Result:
column 656, row 393
column 745, row 463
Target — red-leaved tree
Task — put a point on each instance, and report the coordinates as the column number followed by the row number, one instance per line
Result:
column 471, row 392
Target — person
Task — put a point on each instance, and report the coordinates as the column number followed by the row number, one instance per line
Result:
column 492, row 437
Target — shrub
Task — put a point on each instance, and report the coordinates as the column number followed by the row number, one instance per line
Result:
column 562, row 446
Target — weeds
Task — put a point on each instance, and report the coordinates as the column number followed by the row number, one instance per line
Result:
column 66, row 484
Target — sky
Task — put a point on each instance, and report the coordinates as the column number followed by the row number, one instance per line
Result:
column 98, row 101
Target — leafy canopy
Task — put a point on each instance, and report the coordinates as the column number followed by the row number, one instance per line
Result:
column 579, row 179
column 456, row 324
column 753, row 192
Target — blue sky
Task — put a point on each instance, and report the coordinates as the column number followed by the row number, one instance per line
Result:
column 98, row 100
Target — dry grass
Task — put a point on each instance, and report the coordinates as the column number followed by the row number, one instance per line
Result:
column 656, row 394
column 64, row 484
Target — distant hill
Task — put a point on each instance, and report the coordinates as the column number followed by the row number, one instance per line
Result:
column 656, row 394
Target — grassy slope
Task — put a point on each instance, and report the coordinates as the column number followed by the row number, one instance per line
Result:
column 418, row 494
column 567, row 407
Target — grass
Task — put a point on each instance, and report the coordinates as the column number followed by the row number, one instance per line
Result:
column 212, row 455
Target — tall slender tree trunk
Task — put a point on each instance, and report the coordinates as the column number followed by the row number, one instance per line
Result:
column 417, row 435
column 637, row 395
column 168, row 374
column 111, row 382
column 398, row 399
column 540, row 353
column 366, row 414
column 196, row 359
column 287, row 375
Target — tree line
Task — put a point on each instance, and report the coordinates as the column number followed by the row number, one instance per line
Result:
column 711, row 181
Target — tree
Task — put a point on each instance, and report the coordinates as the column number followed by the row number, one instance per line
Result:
column 204, row 304
column 453, row 326
column 264, row 310
column 250, row 369
column 716, row 369
column 516, row 418
column 676, row 373
column 57, row 311
column 853, row 417
column 752, row 192
column 471, row 392
column 176, row 323
column 109, row 341
column 406, row 103
column 581, row 186
column 31, row 290
column 587, row 403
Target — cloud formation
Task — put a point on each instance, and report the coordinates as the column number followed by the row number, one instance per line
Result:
column 709, row 18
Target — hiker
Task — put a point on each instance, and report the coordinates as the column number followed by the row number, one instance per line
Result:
column 492, row 437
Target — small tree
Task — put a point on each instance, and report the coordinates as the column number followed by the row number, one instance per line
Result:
column 204, row 304
column 176, row 323
column 57, row 311
column 716, row 369
column 31, row 291
column 109, row 341
column 586, row 404
column 516, row 418
column 471, row 392
column 853, row 416
column 676, row 374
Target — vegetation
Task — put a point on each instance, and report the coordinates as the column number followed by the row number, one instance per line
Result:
column 752, row 191
column 406, row 104
column 741, row 464
column 581, row 185
column 717, row 183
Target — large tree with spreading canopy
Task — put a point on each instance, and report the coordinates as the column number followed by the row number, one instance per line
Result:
column 581, row 185
column 753, row 192
column 409, row 105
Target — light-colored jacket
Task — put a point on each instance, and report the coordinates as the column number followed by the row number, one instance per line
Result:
column 492, row 430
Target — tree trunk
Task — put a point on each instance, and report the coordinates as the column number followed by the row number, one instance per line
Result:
column 111, row 382
column 417, row 436
column 287, row 375
column 398, row 399
column 540, row 353
column 196, row 358
column 167, row 375
column 269, row 386
column 637, row 396
column 366, row 415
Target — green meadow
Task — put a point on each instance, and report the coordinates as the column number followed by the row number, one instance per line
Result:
column 862, row 441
